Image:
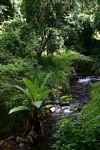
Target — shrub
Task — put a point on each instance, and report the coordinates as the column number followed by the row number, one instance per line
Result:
column 11, row 73
column 10, row 42
column 6, row 58
column 18, row 38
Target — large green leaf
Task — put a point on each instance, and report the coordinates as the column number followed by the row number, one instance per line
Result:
column 37, row 104
column 32, row 89
column 45, row 81
column 43, row 94
column 26, row 92
column 19, row 108
column 36, row 89
column 20, row 88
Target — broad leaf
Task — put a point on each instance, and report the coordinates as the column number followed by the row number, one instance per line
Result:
column 20, row 88
column 45, row 81
column 26, row 92
column 31, row 88
column 29, row 94
column 43, row 94
column 19, row 108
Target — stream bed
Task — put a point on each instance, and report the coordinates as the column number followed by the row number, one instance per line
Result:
column 80, row 96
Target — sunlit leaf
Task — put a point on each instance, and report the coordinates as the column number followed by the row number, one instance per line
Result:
column 20, row 88
column 31, row 88
column 45, row 81
column 19, row 108
column 38, row 104
column 44, row 94
column 49, row 106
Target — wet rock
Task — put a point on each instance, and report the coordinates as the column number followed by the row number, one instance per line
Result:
column 52, row 109
column 21, row 140
column 57, row 101
column 49, row 102
column 21, row 146
column 67, row 112
column 11, row 138
column 18, row 140
column 55, row 109
column 58, row 110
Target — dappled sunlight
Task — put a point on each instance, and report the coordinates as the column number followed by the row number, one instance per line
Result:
column 97, row 35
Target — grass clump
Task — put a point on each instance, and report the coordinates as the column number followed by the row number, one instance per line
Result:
column 60, row 66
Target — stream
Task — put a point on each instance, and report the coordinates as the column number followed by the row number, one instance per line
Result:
column 80, row 96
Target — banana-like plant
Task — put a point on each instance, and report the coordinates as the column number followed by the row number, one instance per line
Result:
column 36, row 92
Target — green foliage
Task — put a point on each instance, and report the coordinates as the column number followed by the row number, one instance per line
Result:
column 60, row 66
column 44, row 13
column 47, row 18
column 18, row 38
column 91, row 116
column 6, row 10
column 71, row 37
column 19, row 108
column 97, row 17
column 66, row 99
column 10, row 9
column 12, row 70
column 35, row 91
column 11, row 42
column 86, row 35
column 16, row 67
column 48, row 26
column 2, row 8
column 54, row 42
column 72, row 18
column 51, row 42
column 84, row 132
column 11, row 73
column 6, row 58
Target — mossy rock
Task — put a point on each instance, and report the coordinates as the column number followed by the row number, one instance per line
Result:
column 83, row 65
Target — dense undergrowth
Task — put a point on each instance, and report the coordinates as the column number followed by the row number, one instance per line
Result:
column 13, row 71
column 83, row 133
